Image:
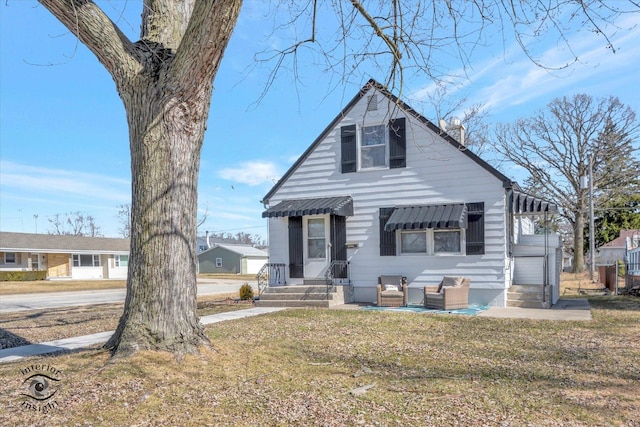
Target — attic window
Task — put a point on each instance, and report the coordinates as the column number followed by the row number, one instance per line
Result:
column 372, row 103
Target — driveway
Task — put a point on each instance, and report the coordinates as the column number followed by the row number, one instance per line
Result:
column 12, row 303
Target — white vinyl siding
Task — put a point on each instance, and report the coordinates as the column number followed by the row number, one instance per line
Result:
column 436, row 172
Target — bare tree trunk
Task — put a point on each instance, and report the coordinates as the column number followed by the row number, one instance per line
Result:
column 166, row 136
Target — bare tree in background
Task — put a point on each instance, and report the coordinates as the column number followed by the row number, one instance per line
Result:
column 556, row 145
column 473, row 117
column 74, row 224
column 124, row 218
column 165, row 81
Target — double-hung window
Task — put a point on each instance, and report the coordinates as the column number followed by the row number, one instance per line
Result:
column 373, row 147
column 9, row 257
column 377, row 146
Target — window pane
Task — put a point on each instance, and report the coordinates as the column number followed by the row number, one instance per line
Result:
column 373, row 147
column 316, row 248
column 86, row 260
column 373, row 156
column 446, row 241
column 316, row 228
column 10, row 257
column 373, row 135
column 413, row 243
column 122, row 260
column 315, row 238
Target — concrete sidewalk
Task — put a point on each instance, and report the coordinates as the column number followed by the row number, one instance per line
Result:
column 565, row 309
column 17, row 353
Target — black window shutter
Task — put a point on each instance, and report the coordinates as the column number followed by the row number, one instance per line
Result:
column 397, row 143
column 296, row 263
column 349, row 148
column 475, row 228
column 387, row 238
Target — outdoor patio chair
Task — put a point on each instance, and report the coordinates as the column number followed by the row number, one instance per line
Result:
column 392, row 291
column 451, row 293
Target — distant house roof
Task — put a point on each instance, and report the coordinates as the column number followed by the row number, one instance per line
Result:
column 242, row 250
column 621, row 241
column 52, row 243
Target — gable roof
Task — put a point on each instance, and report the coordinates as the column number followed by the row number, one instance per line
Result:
column 372, row 84
column 242, row 250
column 621, row 241
column 53, row 243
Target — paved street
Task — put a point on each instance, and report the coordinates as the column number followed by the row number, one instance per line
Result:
column 12, row 303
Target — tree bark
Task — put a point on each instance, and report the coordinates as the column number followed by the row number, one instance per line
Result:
column 165, row 81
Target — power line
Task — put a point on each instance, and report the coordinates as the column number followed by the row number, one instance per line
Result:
column 234, row 229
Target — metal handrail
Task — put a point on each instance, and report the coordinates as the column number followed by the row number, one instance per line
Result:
column 330, row 274
column 270, row 273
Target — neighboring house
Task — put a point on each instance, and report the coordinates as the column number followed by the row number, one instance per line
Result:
column 610, row 253
column 230, row 258
column 63, row 256
column 384, row 191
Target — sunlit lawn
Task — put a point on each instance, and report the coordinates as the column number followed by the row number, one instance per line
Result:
column 344, row 367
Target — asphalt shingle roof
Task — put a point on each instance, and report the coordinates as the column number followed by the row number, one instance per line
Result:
column 29, row 242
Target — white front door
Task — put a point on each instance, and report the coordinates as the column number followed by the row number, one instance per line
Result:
column 316, row 245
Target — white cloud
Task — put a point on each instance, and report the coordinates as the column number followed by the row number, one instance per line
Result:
column 511, row 79
column 38, row 180
column 251, row 173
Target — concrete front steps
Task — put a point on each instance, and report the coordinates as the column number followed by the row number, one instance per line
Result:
column 313, row 293
column 528, row 296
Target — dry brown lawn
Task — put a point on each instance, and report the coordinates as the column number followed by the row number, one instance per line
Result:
column 343, row 367
column 41, row 286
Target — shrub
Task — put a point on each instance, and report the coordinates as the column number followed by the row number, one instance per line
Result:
column 22, row 276
column 246, row 292
column 621, row 268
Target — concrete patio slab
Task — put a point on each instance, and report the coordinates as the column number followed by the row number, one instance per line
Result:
column 564, row 309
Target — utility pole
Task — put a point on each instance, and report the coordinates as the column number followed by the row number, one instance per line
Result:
column 592, row 243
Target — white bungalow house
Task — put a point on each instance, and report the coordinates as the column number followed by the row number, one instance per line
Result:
column 62, row 256
column 383, row 191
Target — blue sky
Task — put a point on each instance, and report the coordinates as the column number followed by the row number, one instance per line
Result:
column 64, row 140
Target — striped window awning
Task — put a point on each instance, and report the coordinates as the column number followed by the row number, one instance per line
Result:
column 527, row 204
column 429, row 216
column 341, row 206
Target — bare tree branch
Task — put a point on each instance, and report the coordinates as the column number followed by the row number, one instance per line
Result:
column 94, row 28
